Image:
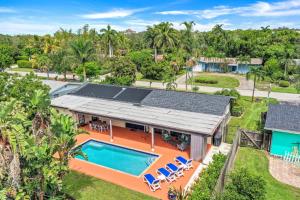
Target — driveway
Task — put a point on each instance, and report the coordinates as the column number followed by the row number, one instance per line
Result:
column 244, row 83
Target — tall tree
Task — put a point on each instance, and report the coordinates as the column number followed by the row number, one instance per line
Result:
column 83, row 51
column 109, row 35
column 187, row 38
column 166, row 37
column 258, row 74
column 150, row 36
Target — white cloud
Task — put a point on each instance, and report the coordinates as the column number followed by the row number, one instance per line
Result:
column 115, row 13
column 6, row 10
column 258, row 9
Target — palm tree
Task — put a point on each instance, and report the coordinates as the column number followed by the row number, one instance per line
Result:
column 258, row 74
column 83, row 52
column 109, row 35
column 150, row 36
column 187, row 36
column 39, row 105
column 287, row 59
column 166, row 36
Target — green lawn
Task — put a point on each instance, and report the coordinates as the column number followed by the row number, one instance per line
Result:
column 222, row 81
column 290, row 89
column 85, row 187
column 250, row 120
column 22, row 70
column 257, row 163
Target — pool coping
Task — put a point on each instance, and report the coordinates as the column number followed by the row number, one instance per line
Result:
column 122, row 146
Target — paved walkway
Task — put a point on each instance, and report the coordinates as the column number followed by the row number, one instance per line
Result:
column 52, row 75
column 284, row 171
column 224, row 148
column 280, row 96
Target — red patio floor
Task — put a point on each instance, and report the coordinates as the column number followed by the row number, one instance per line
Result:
column 140, row 141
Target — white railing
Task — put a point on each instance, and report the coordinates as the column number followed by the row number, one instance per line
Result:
column 291, row 157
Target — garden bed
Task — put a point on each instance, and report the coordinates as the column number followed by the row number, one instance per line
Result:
column 215, row 81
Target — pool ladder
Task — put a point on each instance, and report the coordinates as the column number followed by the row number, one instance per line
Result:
column 150, row 161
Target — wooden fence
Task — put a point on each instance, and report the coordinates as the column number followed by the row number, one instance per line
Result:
column 228, row 164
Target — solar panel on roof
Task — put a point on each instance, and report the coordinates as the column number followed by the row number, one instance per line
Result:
column 133, row 95
column 98, row 91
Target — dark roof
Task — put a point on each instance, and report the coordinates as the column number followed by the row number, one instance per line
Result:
column 134, row 95
column 283, row 117
column 188, row 101
column 127, row 94
column 98, row 91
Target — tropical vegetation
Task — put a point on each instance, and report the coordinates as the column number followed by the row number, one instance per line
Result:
column 159, row 53
column 257, row 164
column 35, row 141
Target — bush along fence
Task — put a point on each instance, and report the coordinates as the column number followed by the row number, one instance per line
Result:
column 220, row 184
column 204, row 186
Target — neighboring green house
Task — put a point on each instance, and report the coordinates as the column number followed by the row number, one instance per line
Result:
column 283, row 121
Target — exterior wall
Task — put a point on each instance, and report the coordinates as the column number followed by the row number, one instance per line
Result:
column 198, row 147
column 215, row 67
column 67, row 112
column 284, row 142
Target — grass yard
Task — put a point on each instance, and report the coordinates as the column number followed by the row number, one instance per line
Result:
column 215, row 81
column 22, row 70
column 84, row 187
column 290, row 89
column 257, row 162
column 250, row 119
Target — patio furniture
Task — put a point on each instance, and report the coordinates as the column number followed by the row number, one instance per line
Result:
column 166, row 136
column 152, row 182
column 182, row 146
column 187, row 164
column 169, row 176
column 177, row 169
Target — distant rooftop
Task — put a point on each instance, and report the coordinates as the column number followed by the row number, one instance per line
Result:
column 232, row 61
column 283, row 117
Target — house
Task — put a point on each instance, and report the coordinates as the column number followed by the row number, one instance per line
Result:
column 59, row 88
column 283, row 121
column 200, row 117
column 233, row 65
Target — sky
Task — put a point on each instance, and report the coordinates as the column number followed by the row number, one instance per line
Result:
column 45, row 16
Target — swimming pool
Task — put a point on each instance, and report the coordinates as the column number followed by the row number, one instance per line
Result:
column 119, row 158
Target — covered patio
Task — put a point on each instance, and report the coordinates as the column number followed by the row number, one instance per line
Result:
column 140, row 141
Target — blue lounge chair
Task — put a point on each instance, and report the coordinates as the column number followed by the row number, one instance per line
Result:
column 169, row 176
column 187, row 164
column 152, row 182
column 177, row 169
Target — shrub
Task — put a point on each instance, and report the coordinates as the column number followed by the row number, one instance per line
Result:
column 24, row 64
column 22, row 58
column 227, row 92
column 154, row 71
column 277, row 76
column 195, row 89
column 244, row 185
column 206, row 80
column 284, row 84
column 205, row 185
column 237, row 110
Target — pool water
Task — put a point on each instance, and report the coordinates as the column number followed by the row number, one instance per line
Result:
column 118, row 158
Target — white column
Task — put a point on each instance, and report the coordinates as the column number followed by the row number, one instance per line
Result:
column 152, row 138
column 110, row 130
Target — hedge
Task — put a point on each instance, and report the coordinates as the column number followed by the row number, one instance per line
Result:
column 206, row 80
column 24, row 64
column 22, row 58
column 205, row 185
column 284, row 84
